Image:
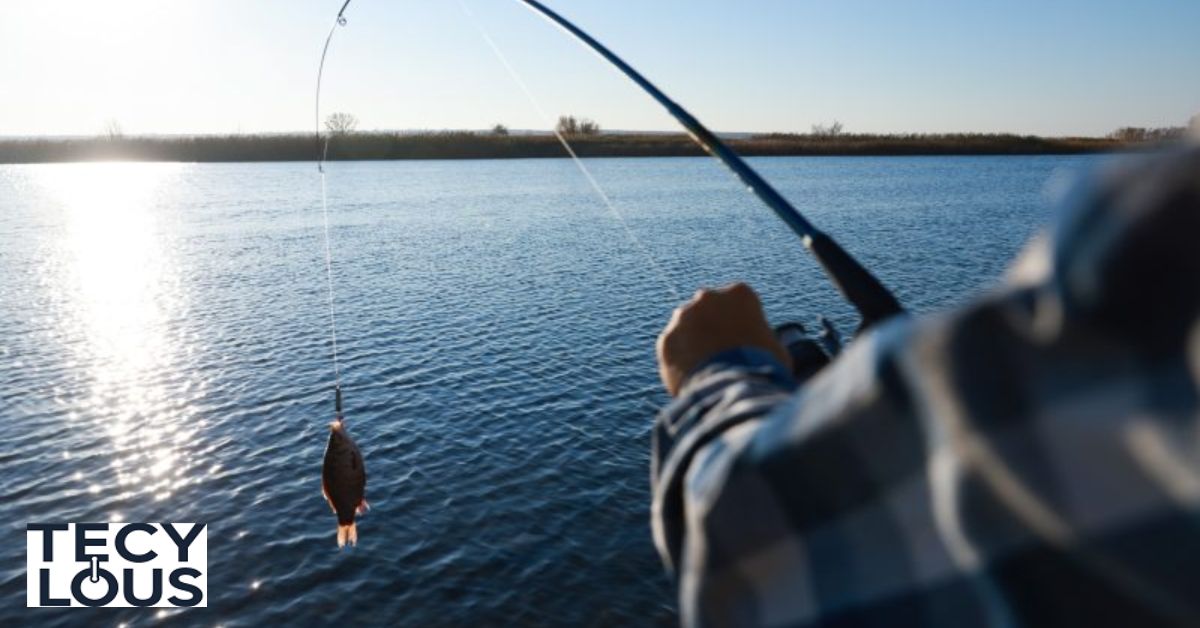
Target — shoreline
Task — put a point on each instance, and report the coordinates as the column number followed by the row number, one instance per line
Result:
column 469, row 145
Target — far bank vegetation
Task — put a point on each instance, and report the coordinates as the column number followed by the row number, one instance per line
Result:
column 346, row 142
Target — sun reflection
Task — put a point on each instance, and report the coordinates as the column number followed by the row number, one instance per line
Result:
column 122, row 290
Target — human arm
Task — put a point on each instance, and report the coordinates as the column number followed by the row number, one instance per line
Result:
column 1029, row 459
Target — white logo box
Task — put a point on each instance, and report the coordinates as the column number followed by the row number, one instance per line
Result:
column 116, row 565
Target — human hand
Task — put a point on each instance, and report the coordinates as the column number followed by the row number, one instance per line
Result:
column 711, row 322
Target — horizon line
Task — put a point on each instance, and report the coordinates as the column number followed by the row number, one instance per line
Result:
column 537, row 132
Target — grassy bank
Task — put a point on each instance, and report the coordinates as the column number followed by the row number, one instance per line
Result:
column 467, row 145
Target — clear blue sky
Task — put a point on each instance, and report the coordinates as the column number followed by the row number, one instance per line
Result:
column 217, row 66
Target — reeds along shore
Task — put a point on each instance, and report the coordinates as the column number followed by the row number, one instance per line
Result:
column 469, row 145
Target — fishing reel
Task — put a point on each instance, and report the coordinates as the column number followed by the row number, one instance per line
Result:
column 810, row 352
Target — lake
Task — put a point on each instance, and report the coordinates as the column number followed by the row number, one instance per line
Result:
column 165, row 357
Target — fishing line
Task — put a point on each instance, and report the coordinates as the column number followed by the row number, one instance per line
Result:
column 340, row 20
column 323, row 149
column 337, row 372
column 548, row 120
column 863, row 290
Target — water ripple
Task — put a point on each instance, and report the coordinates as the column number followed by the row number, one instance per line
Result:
column 165, row 358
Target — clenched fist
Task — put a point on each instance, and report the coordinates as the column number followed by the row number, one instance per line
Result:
column 712, row 322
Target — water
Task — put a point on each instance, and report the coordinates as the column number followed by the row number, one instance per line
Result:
column 165, row 358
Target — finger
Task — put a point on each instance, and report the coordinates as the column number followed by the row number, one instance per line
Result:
column 742, row 290
column 668, row 379
column 676, row 314
column 664, row 342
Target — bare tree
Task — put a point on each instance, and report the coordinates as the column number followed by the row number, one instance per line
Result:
column 570, row 125
column 833, row 130
column 112, row 129
column 1143, row 134
column 1129, row 134
column 567, row 125
column 341, row 123
column 499, row 129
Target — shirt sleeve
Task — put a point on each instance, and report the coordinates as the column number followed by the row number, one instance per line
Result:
column 733, row 387
column 1028, row 459
column 746, row 469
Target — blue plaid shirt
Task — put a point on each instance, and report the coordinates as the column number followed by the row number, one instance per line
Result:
column 1032, row 459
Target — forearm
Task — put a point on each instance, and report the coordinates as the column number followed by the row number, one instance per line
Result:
column 731, row 389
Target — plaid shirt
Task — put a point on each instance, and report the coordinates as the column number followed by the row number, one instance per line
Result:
column 1032, row 459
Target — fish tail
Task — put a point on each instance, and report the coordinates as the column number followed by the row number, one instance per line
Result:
column 363, row 506
column 347, row 533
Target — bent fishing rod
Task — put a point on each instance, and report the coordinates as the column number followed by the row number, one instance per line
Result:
column 322, row 150
column 863, row 290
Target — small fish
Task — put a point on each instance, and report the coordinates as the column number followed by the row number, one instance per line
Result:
column 343, row 481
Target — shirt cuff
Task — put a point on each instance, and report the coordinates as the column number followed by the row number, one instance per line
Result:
column 751, row 359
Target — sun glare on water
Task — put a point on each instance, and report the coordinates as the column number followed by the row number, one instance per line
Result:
column 121, row 292
column 110, row 245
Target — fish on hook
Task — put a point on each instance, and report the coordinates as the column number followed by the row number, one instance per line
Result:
column 344, row 481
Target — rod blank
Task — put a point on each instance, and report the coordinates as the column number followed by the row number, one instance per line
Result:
column 863, row 290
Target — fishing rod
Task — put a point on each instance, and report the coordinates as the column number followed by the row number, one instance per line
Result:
column 322, row 150
column 863, row 290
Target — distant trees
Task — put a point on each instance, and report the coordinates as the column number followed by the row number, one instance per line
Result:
column 1194, row 123
column 570, row 125
column 477, row 145
column 567, row 125
column 833, row 130
column 112, row 129
column 499, row 129
column 1143, row 134
column 341, row 123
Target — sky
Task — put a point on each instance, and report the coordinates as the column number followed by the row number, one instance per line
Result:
column 1068, row 67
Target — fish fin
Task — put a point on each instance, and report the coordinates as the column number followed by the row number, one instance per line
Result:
column 347, row 534
column 324, row 494
column 363, row 506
